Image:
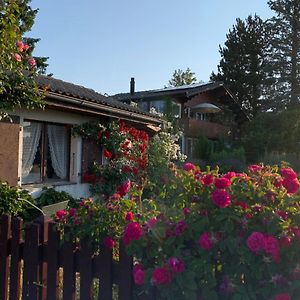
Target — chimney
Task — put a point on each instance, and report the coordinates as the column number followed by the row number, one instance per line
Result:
column 132, row 86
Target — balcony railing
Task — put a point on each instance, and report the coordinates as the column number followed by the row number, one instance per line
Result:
column 195, row 128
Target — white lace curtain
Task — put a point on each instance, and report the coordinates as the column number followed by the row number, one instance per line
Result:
column 58, row 144
column 31, row 138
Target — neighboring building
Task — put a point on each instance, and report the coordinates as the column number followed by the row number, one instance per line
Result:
column 201, row 109
column 37, row 148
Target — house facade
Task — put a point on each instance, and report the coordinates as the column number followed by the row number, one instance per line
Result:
column 37, row 148
column 208, row 110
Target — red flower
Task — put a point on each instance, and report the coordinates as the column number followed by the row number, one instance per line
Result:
column 126, row 169
column 61, row 215
column 241, row 204
column 222, row 183
column 208, row 179
column 221, row 198
column 180, row 227
column 109, row 242
column 292, row 186
column 18, row 57
column 230, row 175
column 90, row 178
column 288, row 173
column 188, row 166
column 107, row 154
column 138, row 274
column 285, row 296
column 176, row 264
column 161, row 276
column 285, row 241
column 124, row 188
column 133, row 231
column 186, row 211
column 205, row 241
column 255, row 241
column 129, row 216
column 254, row 168
column 20, row 45
column 271, row 246
column 32, row 62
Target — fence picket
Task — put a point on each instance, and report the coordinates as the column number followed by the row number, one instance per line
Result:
column 85, row 269
column 125, row 269
column 15, row 268
column 4, row 255
column 69, row 269
column 52, row 261
column 103, row 264
column 31, row 262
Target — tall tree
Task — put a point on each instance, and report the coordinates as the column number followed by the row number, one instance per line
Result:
column 242, row 62
column 17, row 68
column 284, row 54
column 27, row 16
column 181, row 77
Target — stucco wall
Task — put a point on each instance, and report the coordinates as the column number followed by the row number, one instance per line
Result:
column 9, row 152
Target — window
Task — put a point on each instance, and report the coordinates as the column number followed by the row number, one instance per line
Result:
column 46, row 148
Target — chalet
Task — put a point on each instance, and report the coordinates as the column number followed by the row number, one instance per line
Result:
column 200, row 109
column 37, row 148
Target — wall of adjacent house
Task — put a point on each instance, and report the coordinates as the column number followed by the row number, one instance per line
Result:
column 9, row 152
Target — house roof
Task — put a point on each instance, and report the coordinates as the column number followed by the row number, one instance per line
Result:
column 187, row 90
column 64, row 88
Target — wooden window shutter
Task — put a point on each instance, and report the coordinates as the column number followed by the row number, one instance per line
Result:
column 10, row 151
column 91, row 152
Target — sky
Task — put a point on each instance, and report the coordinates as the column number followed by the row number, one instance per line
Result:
column 101, row 44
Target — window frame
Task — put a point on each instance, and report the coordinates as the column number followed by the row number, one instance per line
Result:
column 44, row 152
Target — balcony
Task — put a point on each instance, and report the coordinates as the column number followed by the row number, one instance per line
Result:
column 195, row 128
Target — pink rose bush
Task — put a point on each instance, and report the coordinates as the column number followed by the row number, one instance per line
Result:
column 205, row 235
column 220, row 236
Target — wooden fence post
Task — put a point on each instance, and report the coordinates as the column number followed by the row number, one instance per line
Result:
column 4, row 255
column 125, row 263
column 15, row 262
column 69, row 268
column 31, row 282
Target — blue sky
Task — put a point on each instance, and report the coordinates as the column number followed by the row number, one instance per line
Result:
column 100, row 44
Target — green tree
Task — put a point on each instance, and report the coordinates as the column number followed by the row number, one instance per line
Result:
column 242, row 62
column 284, row 54
column 17, row 68
column 181, row 77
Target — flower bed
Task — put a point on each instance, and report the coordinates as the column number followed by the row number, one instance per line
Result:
column 231, row 236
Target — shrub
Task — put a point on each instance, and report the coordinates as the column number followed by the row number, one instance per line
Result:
column 15, row 201
column 241, row 241
column 51, row 196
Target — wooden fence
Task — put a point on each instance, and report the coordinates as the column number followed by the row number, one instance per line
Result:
column 35, row 264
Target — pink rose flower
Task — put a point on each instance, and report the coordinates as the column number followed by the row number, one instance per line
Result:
column 151, row 222
column 129, row 216
column 230, row 175
column 133, row 231
column 271, row 247
column 61, row 214
column 222, row 183
column 205, row 241
column 188, row 166
column 180, row 227
column 221, row 198
column 186, row 211
column 25, row 47
column 73, row 212
column 20, row 45
column 292, row 186
column 138, row 274
column 285, row 296
column 32, row 62
column 17, row 57
column 161, row 276
column 109, row 242
column 176, row 264
column 255, row 241
column 208, row 179
column 254, row 168
column 124, row 188
column 288, row 173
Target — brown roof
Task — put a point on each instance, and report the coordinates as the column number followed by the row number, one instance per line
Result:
column 61, row 87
